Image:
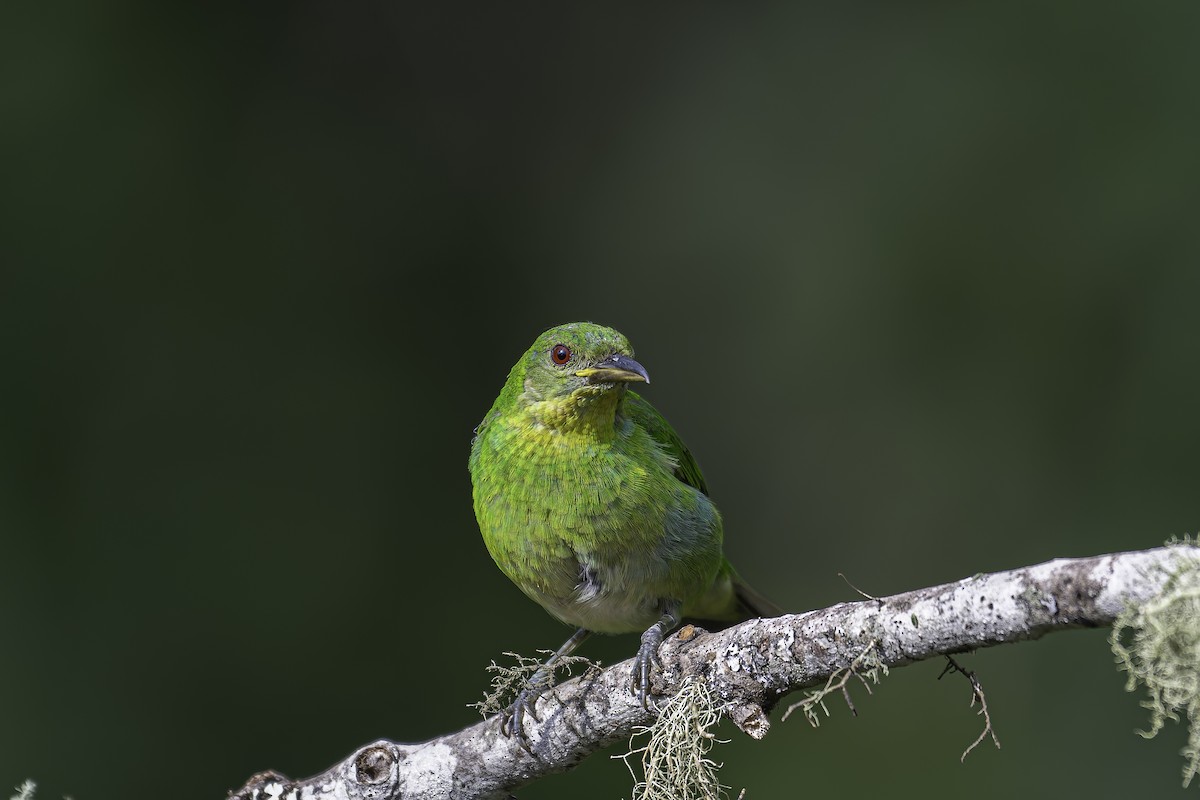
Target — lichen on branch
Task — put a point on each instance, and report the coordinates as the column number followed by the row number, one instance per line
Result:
column 1157, row 641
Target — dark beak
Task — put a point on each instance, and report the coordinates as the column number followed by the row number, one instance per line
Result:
column 615, row 369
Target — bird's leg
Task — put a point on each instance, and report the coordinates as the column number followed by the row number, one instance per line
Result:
column 648, row 652
column 512, row 719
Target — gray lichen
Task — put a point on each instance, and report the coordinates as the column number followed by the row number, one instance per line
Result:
column 1158, row 643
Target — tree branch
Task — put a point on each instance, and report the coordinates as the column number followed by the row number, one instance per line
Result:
column 749, row 667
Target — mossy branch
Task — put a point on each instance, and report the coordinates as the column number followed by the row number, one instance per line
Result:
column 750, row 667
column 674, row 760
column 1158, row 642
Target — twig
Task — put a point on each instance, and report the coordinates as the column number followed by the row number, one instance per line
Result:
column 976, row 694
column 842, row 575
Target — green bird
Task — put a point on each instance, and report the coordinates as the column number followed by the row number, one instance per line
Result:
column 592, row 505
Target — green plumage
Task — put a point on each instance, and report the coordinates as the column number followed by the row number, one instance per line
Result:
column 589, row 501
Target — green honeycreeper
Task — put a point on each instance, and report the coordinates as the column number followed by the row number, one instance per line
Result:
column 591, row 504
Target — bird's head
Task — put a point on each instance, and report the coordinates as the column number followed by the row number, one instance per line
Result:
column 579, row 362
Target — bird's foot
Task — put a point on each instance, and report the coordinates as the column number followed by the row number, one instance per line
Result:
column 512, row 719
column 646, row 659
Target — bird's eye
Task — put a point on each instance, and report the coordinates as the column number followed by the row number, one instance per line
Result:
column 560, row 354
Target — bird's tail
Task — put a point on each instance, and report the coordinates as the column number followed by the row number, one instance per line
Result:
column 730, row 600
column 751, row 602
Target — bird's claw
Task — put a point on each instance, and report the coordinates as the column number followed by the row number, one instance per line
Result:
column 512, row 719
column 646, row 659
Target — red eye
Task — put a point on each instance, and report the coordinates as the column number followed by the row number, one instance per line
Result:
column 560, row 354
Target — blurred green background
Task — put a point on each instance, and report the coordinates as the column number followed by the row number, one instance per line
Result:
column 918, row 284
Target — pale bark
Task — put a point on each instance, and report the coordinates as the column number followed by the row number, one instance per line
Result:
column 749, row 667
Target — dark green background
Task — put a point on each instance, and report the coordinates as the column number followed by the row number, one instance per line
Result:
column 918, row 284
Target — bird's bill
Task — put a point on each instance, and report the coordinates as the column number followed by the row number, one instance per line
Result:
column 616, row 369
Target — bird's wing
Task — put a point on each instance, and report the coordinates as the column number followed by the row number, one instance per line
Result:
column 645, row 415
